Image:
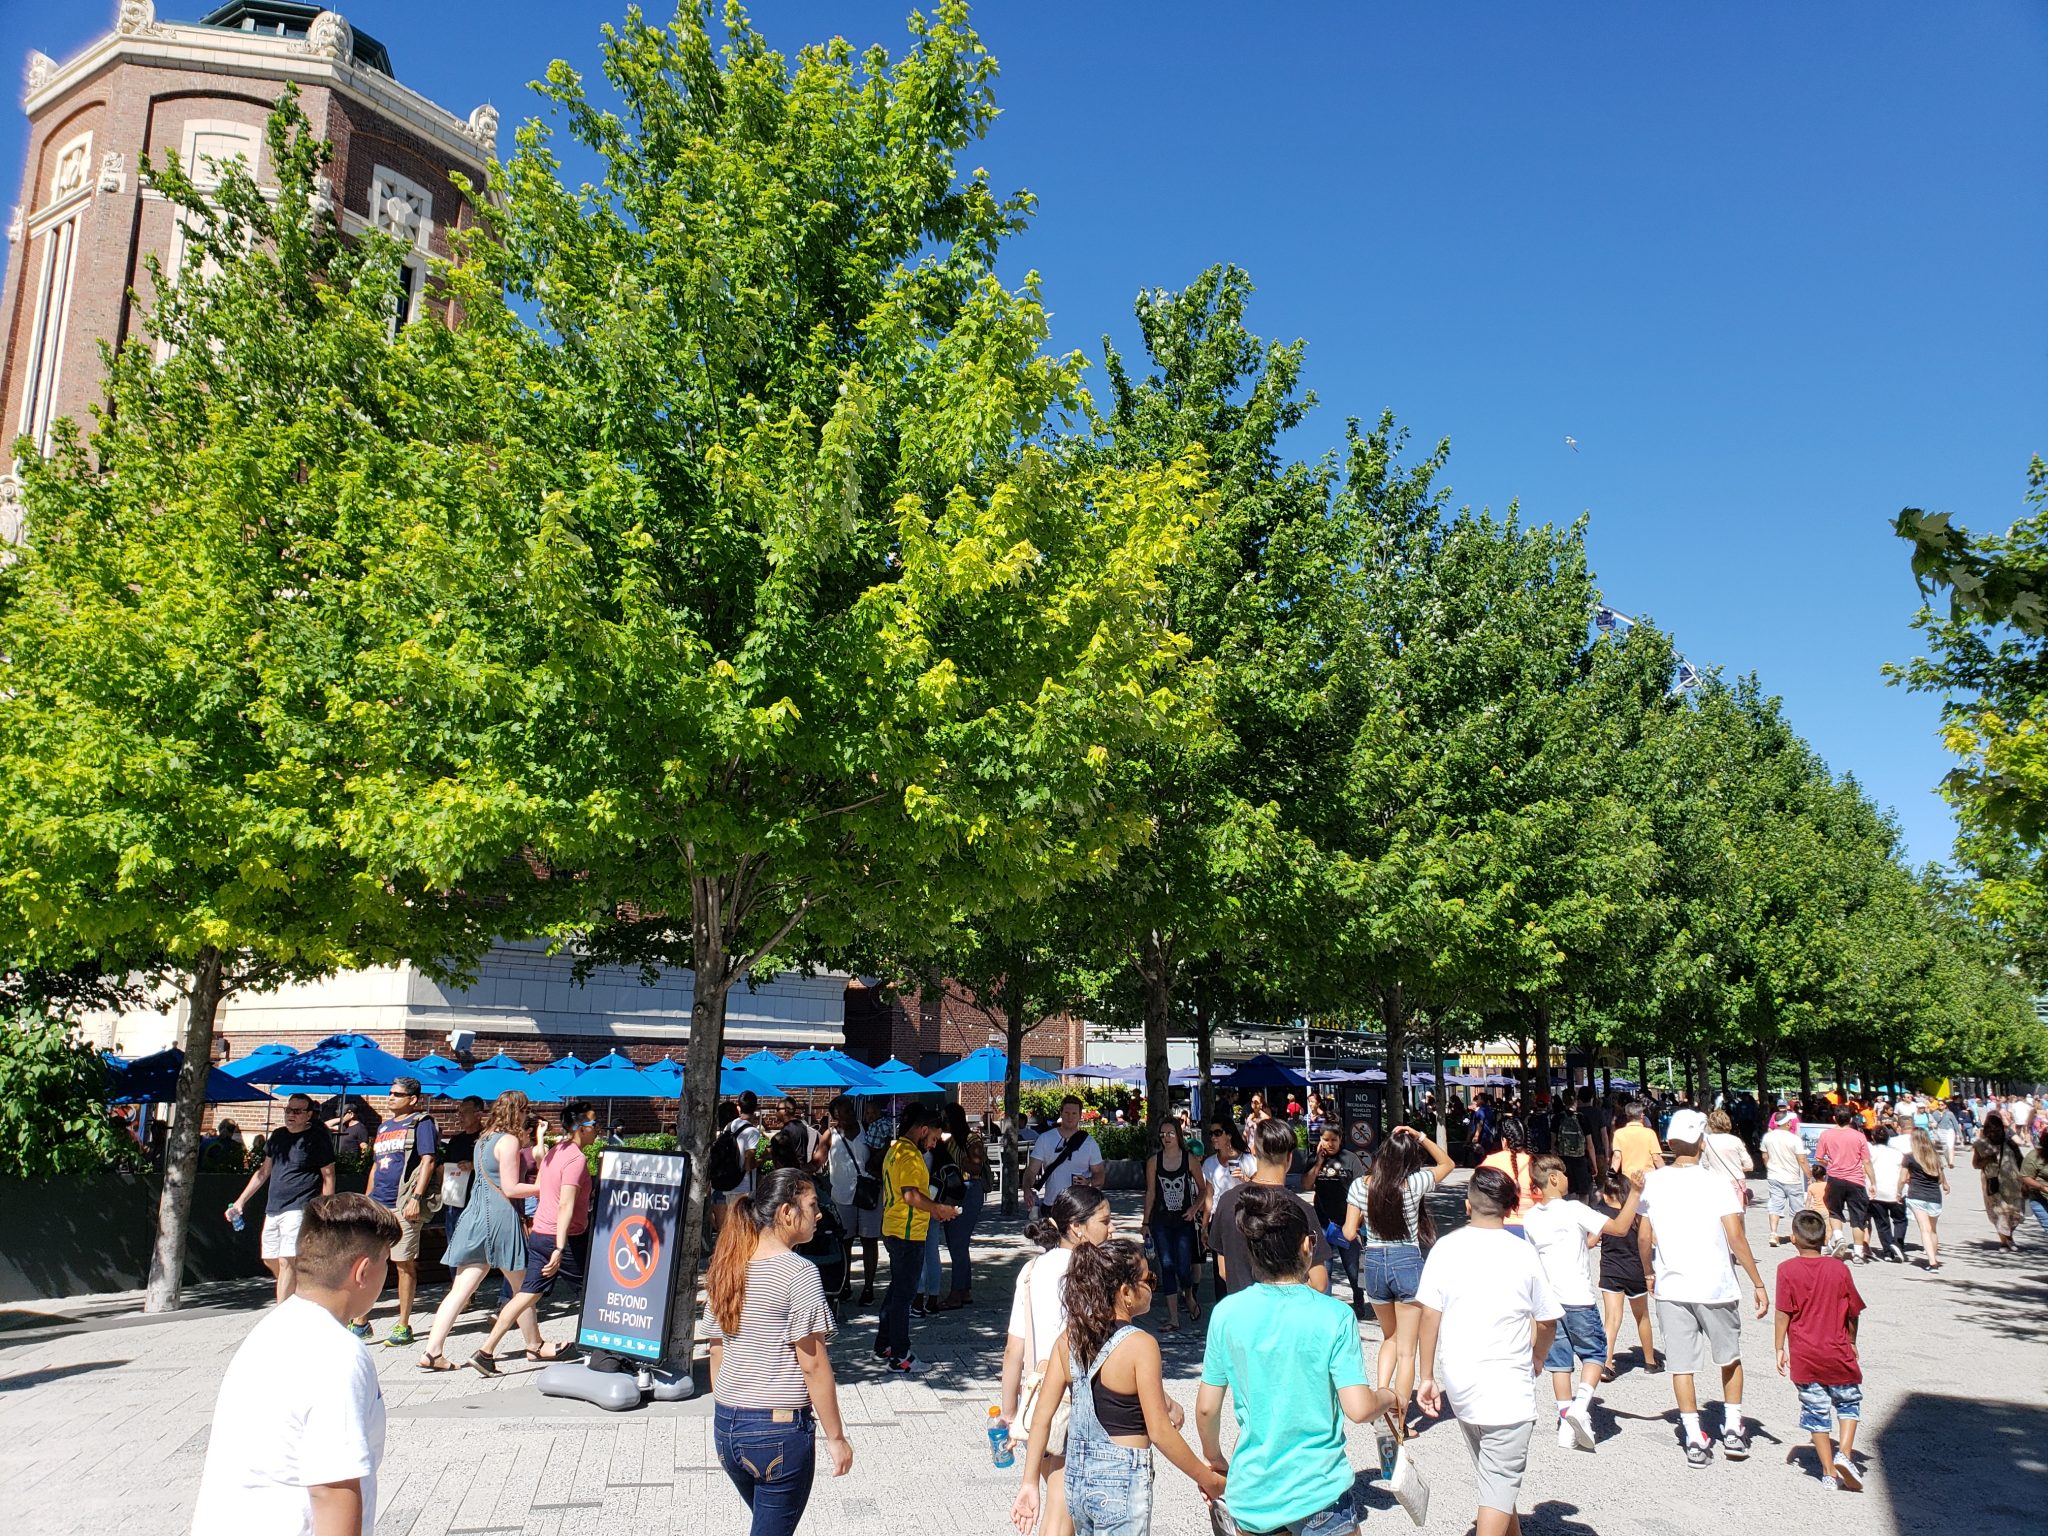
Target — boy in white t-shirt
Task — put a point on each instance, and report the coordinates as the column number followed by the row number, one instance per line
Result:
column 1563, row 1230
column 1485, row 1300
column 298, row 1429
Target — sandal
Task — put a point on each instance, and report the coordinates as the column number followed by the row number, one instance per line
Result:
column 553, row 1351
column 435, row 1362
column 1607, row 1371
column 484, row 1363
column 1169, row 1327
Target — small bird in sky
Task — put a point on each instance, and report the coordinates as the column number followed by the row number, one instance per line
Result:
column 1572, row 443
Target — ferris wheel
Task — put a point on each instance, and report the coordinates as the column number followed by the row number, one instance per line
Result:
column 1612, row 621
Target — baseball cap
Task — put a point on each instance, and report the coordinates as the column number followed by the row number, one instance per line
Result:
column 1687, row 1125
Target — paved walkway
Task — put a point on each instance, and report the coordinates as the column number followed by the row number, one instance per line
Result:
column 104, row 1416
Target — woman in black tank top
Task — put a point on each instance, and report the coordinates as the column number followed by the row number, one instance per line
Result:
column 1174, row 1194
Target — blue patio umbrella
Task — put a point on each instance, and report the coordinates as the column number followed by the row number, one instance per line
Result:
column 338, row 1063
column 156, row 1077
column 1103, row 1074
column 895, row 1077
column 763, row 1063
column 987, row 1065
column 800, row 1072
column 615, row 1082
column 502, row 1060
column 437, row 1072
column 854, row 1073
column 242, row 1066
column 734, row 1081
column 487, row 1083
column 668, row 1072
column 1263, row 1071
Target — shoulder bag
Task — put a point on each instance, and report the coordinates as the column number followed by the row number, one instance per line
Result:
column 1034, row 1376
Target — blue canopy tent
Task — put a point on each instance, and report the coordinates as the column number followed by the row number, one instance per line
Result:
column 156, row 1078
column 263, row 1055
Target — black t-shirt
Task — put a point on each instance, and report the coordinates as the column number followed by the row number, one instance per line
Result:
column 1333, row 1182
column 1621, row 1261
column 296, row 1158
column 1173, row 1197
column 459, row 1148
column 1228, row 1243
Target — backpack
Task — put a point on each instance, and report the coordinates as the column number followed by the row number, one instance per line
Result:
column 728, row 1169
column 1571, row 1136
column 867, row 1182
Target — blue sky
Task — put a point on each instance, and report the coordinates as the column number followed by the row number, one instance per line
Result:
column 1778, row 269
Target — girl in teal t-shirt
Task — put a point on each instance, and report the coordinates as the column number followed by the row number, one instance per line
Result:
column 1291, row 1360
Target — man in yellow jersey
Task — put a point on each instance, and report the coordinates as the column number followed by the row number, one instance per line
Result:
column 908, row 1210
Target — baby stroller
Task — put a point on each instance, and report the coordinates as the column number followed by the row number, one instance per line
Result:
column 828, row 1249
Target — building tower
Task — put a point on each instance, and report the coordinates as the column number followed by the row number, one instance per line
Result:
column 83, row 225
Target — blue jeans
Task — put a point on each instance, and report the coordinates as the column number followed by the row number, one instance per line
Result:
column 1174, row 1243
column 770, row 1463
column 1340, row 1519
column 1109, row 1488
column 1580, row 1332
column 928, row 1271
column 892, row 1335
column 960, row 1236
column 2039, row 1212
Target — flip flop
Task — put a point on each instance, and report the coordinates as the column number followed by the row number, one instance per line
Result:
column 432, row 1362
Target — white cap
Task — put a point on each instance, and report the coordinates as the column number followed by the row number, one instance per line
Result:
column 1687, row 1125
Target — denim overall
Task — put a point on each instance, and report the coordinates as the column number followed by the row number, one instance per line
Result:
column 1109, row 1486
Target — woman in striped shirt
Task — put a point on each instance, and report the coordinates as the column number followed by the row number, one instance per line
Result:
column 771, row 1381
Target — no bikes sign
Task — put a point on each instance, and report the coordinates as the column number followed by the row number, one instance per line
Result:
column 633, row 1230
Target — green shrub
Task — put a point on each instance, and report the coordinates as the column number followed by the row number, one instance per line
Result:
column 54, row 1120
column 1045, row 1099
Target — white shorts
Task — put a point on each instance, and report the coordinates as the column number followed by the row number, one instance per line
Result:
column 281, row 1235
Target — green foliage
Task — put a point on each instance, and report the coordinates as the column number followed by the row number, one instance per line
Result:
column 53, row 1104
column 1046, row 1098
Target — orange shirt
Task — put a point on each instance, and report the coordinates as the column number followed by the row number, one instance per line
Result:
column 1638, row 1148
column 1519, row 1173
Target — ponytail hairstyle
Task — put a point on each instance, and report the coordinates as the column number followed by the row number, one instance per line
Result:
column 1514, row 1139
column 1275, row 1226
column 1072, row 1209
column 1386, row 1207
column 1098, row 1272
column 725, row 1283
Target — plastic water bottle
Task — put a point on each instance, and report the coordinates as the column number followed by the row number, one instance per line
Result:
column 999, row 1447
column 1389, row 1449
column 235, row 1218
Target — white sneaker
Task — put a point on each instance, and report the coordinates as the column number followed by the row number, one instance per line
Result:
column 909, row 1365
column 1581, row 1426
column 1567, row 1438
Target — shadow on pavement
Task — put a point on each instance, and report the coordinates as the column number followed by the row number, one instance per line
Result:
column 1943, row 1456
column 28, row 1379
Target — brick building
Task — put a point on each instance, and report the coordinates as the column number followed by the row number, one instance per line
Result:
column 83, row 225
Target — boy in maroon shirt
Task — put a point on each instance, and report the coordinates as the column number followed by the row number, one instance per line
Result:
column 1817, row 1310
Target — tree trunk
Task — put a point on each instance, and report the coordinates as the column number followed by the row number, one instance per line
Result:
column 181, row 1152
column 1393, row 1018
column 1766, row 1101
column 1724, row 1079
column 1691, row 1084
column 1805, row 1074
column 1522, row 1044
column 1606, row 1083
column 1155, row 967
column 1542, row 1055
column 1013, row 1077
column 1205, row 1058
column 1443, row 1089
column 700, row 1104
column 1642, row 1074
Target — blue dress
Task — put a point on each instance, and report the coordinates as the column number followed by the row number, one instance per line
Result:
column 489, row 1232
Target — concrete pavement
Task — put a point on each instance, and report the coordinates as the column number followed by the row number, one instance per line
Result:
column 104, row 1415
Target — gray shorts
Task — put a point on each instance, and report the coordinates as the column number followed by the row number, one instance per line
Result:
column 1698, row 1332
column 1500, row 1452
column 859, row 1223
column 1787, row 1199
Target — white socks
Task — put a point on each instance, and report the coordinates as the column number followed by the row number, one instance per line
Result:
column 1582, row 1399
column 1691, row 1424
column 1731, row 1418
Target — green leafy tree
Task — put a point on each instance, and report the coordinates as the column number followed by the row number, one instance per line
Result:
column 53, row 1103
column 808, row 628
column 176, row 747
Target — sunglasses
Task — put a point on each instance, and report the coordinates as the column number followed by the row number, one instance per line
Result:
column 298, row 1109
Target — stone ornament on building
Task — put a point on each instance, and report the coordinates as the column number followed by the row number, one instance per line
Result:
column 40, row 67
column 137, row 18
column 321, row 199
column 483, row 127
column 113, row 172
column 15, row 226
column 329, row 37
column 73, row 168
column 10, row 515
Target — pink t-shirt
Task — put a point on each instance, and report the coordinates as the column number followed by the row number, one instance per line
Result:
column 566, row 1164
column 1846, row 1151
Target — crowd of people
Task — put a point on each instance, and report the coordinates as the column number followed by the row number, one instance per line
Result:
column 1576, row 1217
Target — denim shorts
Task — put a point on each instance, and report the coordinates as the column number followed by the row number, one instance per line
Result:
column 1393, row 1272
column 1928, row 1207
column 1820, row 1406
column 1579, row 1332
column 1109, row 1487
column 1340, row 1519
column 1787, row 1199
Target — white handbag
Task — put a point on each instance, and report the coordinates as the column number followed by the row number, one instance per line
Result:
column 1034, row 1378
column 454, row 1186
column 1408, row 1488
